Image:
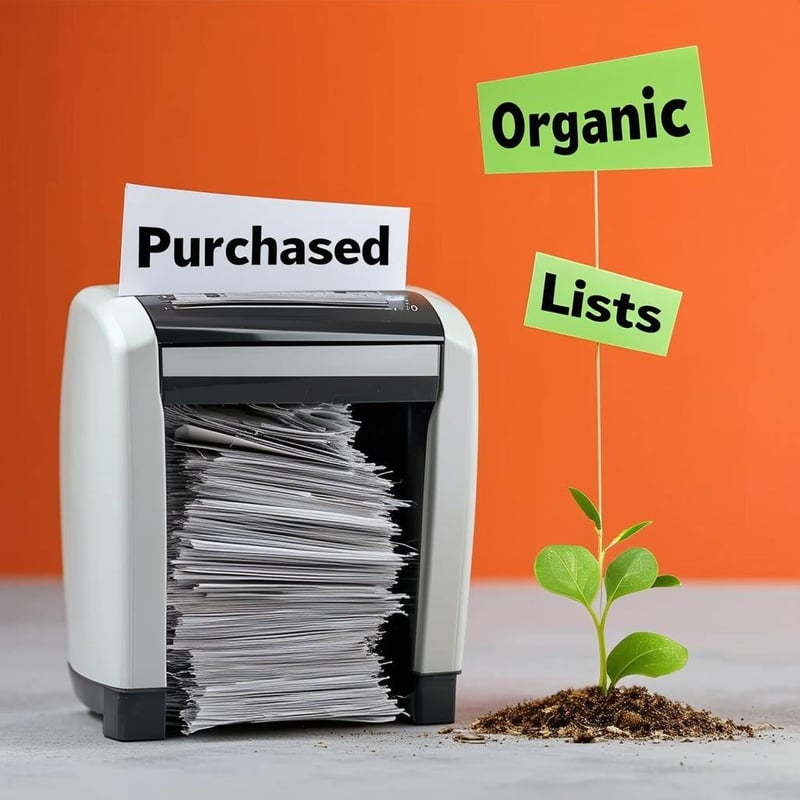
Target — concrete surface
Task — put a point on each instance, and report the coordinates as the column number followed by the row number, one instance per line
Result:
column 745, row 663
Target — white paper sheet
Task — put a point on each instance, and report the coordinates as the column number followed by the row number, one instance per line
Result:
column 194, row 243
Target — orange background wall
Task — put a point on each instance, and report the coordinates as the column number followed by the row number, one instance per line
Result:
column 375, row 102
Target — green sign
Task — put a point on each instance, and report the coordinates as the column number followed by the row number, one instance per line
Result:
column 644, row 112
column 578, row 300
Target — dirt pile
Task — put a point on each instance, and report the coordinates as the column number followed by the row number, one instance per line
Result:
column 586, row 715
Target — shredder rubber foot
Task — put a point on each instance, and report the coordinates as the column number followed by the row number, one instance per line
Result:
column 433, row 701
column 129, row 715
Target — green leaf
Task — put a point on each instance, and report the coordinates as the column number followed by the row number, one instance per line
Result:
column 628, row 532
column 643, row 653
column 632, row 571
column 587, row 506
column 663, row 581
column 568, row 570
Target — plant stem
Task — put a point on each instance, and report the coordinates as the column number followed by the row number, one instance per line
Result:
column 600, row 625
column 601, row 553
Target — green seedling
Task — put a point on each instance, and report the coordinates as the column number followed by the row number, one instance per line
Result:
column 572, row 571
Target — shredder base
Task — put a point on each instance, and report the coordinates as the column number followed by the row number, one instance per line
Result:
column 136, row 715
column 433, row 701
column 129, row 715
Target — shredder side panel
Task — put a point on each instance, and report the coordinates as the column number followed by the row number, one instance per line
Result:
column 112, row 493
column 449, row 504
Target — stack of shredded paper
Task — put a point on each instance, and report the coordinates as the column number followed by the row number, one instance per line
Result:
column 282, row 557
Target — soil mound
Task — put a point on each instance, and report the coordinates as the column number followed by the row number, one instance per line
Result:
column 586, row 715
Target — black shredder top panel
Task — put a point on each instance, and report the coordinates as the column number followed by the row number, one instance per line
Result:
column 217, row 319
column 291, row 321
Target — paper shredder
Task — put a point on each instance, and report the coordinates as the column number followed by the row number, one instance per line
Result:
column 405, row 361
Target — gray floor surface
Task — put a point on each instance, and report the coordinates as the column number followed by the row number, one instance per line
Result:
column 745, row 663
